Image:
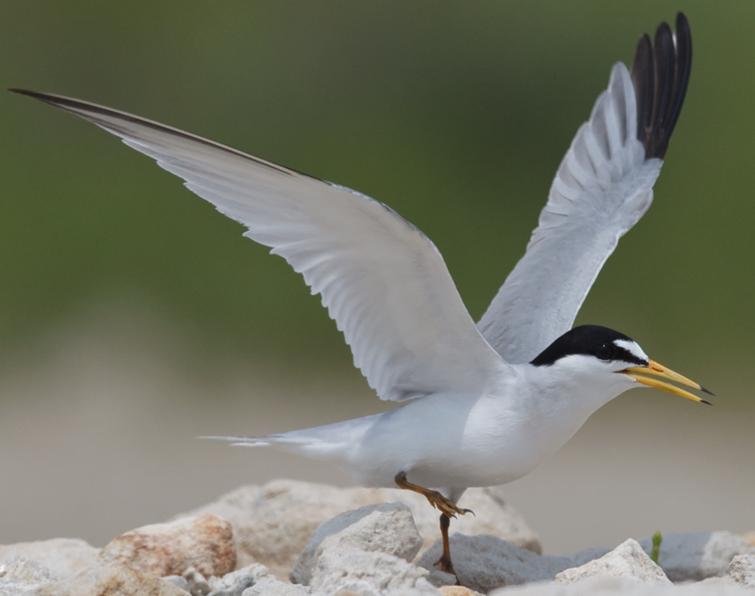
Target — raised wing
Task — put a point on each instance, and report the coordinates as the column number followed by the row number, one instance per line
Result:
column 381, row 279
column 603, row 187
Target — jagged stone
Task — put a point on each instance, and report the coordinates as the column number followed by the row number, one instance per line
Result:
column 203, row 542
column 63, row 557
column 111, row 579
column 627, row 560
column 697, row 555
column 19, row 575
column 387, row 528
column 623, row 586
column 368, row 574
column 742, row 570
column 273, row 523
column 365, row 551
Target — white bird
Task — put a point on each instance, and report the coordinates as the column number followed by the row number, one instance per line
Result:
column 483, row 404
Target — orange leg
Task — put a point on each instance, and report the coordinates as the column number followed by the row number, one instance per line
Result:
column 448, row 510
column 437, row 500
column 444, row 563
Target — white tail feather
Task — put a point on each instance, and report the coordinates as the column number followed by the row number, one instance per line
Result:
column 241, row 441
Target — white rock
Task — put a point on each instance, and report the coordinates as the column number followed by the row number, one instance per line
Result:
column 622, row 586
column 273, row 523
column 203, row 542
column 19, row 575
column 627, row 560
column 365, row 551
column 484, row 563
column 687, row 556
column 236, row 582
column 274, row 587
column 368, row 574
column 180, row 582
column 111, row 579
column 387, row 528
column 742, row 570
column 193, row 582
column 695, row 556
column 64, row 557
column 253, row 580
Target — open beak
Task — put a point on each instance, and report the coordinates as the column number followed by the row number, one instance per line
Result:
column 652, row 374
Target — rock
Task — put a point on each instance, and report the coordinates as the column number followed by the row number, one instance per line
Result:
column 368, row 574
column 623, row 586
column 111, row 579
column 457, row 591
column 484, row 563
column 274, row 587
column 627, row 560
column 193, row 582
column 273, row 523
column 253, row 580
column 180, row 582
column 63, row 557
column 695, row 556
column 235, row 583
column 21, row 575
column 204, row 542
column 365, row 551
column 687, row 556
column 266, row 584
column 387, row 528
column 742, row 570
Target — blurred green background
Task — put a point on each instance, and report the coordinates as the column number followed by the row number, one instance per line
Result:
column 455, row 113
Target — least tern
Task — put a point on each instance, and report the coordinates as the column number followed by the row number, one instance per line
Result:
column 486, row 403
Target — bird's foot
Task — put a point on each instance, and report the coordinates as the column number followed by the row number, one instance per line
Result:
column 445, row 506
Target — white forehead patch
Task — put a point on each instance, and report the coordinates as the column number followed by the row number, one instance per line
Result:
column 632, row 347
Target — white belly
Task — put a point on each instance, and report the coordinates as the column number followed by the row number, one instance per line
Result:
column 457, row 442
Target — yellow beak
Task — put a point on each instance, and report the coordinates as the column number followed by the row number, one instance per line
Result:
column 651, row 374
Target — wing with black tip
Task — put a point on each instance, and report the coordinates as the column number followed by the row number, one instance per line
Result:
column 381, row 279
column 602, row 188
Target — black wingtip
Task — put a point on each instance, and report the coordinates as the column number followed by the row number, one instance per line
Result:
column 660, row 74
column 36, row 94
column 706, row 402
column 708, row 391
column 45, row 97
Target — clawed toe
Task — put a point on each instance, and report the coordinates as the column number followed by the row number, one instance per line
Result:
column 446, row 506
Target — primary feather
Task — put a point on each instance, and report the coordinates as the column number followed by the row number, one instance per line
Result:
column 603, row 186
column 382, row 280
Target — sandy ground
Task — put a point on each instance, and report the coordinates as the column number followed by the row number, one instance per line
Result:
column 97, row 436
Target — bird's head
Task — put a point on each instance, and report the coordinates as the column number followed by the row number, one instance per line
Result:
column 602, row 356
